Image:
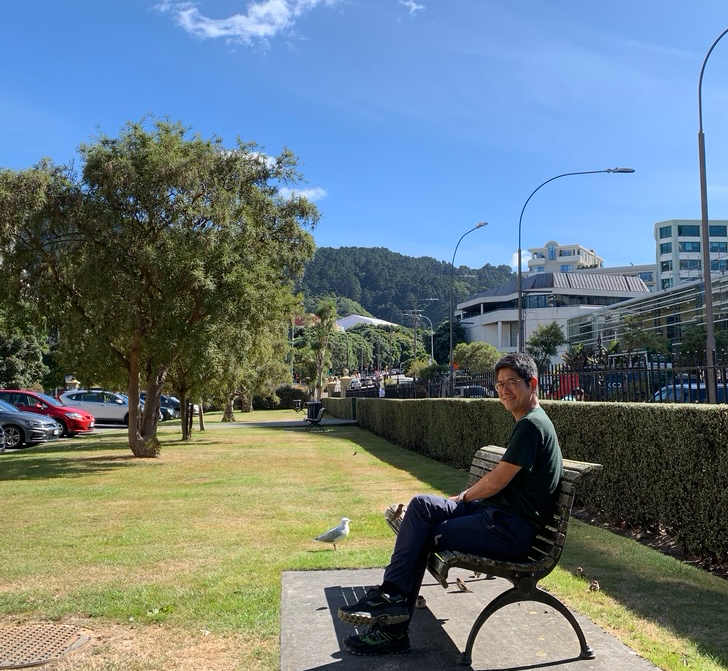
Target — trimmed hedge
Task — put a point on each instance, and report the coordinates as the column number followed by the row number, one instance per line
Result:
column 343, row 408
column 665, row 465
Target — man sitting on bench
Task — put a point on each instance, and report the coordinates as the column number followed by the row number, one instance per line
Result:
column 497, row 517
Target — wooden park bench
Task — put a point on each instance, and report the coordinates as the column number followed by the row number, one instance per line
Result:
column 315, row 421
column 524, row 576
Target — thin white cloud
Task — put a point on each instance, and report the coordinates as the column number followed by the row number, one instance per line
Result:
column 525, row 258
column 263, row 19
column 314, row 194
column 412, row 6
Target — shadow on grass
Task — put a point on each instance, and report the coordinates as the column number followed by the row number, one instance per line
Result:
column 657, row 588
column 42, row 467
column 76, row 457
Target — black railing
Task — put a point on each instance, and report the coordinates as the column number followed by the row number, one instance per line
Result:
column 618, row 378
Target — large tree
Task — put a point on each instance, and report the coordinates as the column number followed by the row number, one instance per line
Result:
column 160, row 235
column 21, row 357
column 476, row 357
column 321, row 333
column 544, row 343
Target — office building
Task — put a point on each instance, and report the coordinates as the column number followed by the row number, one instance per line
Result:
column 679, row 250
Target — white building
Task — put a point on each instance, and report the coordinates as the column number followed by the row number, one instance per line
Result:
column 492, row 316
column 679, row 250
column 352, row 320
column 556, row 258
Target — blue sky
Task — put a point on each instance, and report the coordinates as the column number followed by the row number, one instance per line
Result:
column 412, row 120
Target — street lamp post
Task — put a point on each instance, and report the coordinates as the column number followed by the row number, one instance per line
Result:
column 452, row 309
column 710, row 378
column 520, row 220
column 432, row 339
column 416, row 314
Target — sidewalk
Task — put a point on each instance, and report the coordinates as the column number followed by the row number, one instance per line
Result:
column 521, row 636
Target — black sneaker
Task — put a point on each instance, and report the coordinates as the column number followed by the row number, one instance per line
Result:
column 376, row 606
column 378, row 641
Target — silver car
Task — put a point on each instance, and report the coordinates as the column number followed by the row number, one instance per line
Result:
column 26, row 428
column 105, row 406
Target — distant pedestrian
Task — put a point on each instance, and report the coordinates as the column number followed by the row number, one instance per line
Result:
column 382, row 391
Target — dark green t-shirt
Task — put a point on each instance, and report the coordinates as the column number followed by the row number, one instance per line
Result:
column 534, row 447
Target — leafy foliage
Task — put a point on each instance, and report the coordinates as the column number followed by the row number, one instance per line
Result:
column 476, row 357
column 321, row 333
column 21, row 358
column 544, row 343
column 637, row 337
column 387, row 284
column 692, row 345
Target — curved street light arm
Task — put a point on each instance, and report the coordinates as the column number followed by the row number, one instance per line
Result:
column 452, row 311
column 520, row 221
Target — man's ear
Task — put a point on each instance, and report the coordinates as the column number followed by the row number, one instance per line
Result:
column 534, row 383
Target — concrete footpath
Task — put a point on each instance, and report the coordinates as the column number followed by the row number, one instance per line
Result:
column 527, row 635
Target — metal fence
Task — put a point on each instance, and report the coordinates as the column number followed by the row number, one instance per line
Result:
column 619, row 378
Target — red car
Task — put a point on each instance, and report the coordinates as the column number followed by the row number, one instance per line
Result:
column 72, row 420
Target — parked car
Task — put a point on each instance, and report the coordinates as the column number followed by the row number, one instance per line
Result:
column 168, row 406
column 105, row 406
column 2, row 440
column 688, row 393
column 72, row 420
column 355, row 383
column 469, row 391
column 26, row 428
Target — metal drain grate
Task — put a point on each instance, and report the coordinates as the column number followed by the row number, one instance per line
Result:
column 35, row 644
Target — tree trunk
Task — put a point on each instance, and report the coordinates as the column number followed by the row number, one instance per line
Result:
column 202, row 417
column 143, row 444
column 185, row 411
column 190, row 418
column 227, row 413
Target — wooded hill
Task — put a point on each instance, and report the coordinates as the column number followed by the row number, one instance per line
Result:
column 387, row 284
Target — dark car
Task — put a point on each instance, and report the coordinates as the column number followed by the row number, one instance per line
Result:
column 72, row 420
column 26, row 428
column 168, row 406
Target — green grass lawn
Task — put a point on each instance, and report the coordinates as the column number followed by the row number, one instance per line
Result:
column 179, row 558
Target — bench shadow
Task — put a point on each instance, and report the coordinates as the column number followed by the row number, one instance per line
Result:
column 432, row 648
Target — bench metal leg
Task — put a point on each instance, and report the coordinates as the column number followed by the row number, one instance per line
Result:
column 550, row 600
column 514, row 595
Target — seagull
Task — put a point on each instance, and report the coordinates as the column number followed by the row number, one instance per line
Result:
column 336, row 534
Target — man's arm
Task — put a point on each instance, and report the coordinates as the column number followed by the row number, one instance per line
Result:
column 491, row 483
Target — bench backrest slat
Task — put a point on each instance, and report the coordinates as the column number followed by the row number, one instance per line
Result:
column 551, row 538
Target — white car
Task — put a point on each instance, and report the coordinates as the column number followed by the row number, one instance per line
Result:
column 105, row 406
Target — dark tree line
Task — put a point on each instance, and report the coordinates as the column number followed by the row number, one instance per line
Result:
column 387, row 284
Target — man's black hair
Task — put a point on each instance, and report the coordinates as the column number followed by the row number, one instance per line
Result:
column 522, row 363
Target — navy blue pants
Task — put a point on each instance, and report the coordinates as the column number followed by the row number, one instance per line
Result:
column 432, row 523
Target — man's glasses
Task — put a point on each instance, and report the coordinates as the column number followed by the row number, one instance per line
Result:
column 510, row 385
